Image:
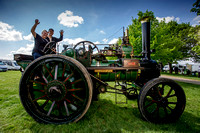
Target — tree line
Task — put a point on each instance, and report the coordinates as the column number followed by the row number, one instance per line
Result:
column 172, row 41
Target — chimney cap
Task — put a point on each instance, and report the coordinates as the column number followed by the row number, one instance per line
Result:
column 146, row 19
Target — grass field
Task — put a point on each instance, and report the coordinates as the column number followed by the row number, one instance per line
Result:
column 103, row 115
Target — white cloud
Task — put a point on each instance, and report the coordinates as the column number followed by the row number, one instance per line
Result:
column 105, row 40
column 177, row 19
column 8, row 33
column 72, row 41
column 168, row 19
column 197, row 18
column 102, row 32
column 196, row 21
column 22, row 50
column 97, row 42
column 67, row 19
column 113, row 41
column 29, row 37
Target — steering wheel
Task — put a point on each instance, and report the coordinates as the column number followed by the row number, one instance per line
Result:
column 50, row 48
column 81, row 47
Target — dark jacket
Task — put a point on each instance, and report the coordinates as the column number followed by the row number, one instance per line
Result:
column 55, row 40
column 39, row 44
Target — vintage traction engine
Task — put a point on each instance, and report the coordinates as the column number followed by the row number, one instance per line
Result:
column 59, row 88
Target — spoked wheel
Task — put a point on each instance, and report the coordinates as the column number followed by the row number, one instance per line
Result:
column 50, row 48
column 56, row 89
column 161, row 101
column 84, row 46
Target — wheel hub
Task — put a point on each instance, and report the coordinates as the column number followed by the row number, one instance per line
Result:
column 164, row 102
column 56, row 90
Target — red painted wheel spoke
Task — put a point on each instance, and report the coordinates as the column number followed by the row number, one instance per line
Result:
column 37, row 82
column 68, row 100
column 39, row 98
column 149, row 104
column 64, row 71
column 159, row 91
column 76, row 81
column 38, row 90
column 59, row 109
column 77, row 97
column 48, row 71
column 68, row 77
column 78, row 89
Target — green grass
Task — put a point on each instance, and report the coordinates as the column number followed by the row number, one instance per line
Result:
column 103, row 115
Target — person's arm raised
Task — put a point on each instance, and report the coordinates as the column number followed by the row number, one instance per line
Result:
column 34, row 27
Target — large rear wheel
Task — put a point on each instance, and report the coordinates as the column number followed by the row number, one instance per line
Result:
column 56, row 89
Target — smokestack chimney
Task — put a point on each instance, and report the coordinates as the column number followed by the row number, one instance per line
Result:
column 146, row 39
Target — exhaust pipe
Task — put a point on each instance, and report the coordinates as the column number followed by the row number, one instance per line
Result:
column 146, row 39
column 151, row 67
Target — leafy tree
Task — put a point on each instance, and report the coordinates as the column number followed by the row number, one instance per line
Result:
column 168, row 44
column 147, row 15
column 164, row 38
column 196, row 7
column 135, row 36
column 194, row 34
column 135, row 32
column 119, row 42
column 171, row 41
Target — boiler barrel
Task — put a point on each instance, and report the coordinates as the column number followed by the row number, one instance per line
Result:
column 112, row 75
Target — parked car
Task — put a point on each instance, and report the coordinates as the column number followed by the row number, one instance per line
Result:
column 11, row 65
column 166, row 68
column 3, row 67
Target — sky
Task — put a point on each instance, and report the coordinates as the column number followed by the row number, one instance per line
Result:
column 98, row 21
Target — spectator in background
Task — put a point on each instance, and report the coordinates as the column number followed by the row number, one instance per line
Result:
column 199, row 72
column 176, row 69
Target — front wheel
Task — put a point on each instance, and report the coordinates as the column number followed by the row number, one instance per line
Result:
column 161, row 101
column 56, row 89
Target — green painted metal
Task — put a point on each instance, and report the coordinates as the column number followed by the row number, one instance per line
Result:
column 68, row 52
column 105, row 64
column 127, row 51
column 23, row 64
column 117, row 75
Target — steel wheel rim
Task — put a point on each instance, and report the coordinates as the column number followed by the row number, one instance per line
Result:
column 72, row 91
column 163, row 103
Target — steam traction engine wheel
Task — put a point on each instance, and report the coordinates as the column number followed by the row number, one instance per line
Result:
column 161, row 101
column 56, row 89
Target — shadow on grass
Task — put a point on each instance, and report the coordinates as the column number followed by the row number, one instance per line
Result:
column 104, row 116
